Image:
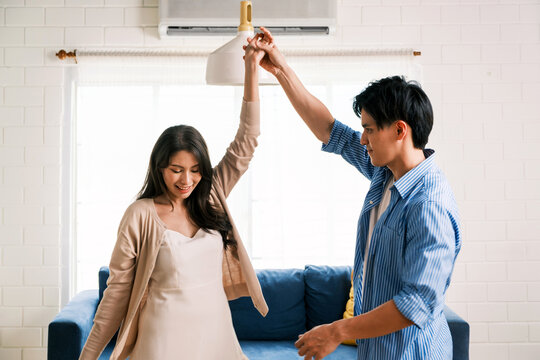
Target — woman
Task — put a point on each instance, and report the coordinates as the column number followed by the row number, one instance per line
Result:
column 178, row 257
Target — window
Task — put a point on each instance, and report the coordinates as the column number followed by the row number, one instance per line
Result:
column 296, row 205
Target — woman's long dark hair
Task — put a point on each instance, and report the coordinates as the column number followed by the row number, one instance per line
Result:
column 200, row 210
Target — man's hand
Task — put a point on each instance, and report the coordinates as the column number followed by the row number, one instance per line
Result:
column 318, row 342
column 273, row 61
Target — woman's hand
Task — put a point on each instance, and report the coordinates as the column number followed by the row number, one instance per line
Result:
column 253, row 53
column 252, row 58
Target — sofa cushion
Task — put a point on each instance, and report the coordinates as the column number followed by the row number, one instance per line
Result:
column 285, row 350
column 283, row 290
column 327, row 291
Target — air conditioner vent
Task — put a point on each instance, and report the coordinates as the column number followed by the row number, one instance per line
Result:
column 220, row 17
column 232, row 30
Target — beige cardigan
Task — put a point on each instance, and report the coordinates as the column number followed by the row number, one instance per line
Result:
column 139, row 238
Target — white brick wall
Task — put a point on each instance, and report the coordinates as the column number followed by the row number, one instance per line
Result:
column 481, row 63
column 86, row 36
column 141, row 16
column 23, row 56
column 11, row 116
column 25, row 16
column 64, row 16
column 508, row 332
column 104, row 17
column 125, row 36
column 12, row 36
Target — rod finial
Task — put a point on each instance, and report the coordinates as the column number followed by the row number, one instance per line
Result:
column 63, row 54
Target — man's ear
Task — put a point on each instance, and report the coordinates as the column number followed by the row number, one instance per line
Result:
column 401, row 128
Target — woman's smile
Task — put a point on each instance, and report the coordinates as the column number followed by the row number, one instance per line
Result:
column 184, row 189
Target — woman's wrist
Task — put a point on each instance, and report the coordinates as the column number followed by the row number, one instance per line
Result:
column 251, row 67
column 251, row 86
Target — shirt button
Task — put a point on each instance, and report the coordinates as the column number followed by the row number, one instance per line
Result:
column 370, row 202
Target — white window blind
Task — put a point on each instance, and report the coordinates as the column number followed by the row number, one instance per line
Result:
column 296, row 205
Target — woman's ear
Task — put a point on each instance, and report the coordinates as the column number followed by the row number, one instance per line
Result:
column 401, row 128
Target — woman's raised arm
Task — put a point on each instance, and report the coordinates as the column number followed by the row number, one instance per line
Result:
column 252, row 58
column 240, row 152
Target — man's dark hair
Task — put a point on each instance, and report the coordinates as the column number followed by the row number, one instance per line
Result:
column 393, row 98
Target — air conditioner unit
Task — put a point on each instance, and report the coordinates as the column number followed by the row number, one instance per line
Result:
column 220, row 17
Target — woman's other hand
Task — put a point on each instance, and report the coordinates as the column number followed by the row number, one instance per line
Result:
column 252, row 58
column 253, row 53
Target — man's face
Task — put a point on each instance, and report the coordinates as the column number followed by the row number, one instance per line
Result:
column 381, row 144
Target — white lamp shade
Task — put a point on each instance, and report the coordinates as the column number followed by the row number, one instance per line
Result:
column 225, row 65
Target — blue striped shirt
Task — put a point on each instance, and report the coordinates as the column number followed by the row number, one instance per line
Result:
column 412, row 252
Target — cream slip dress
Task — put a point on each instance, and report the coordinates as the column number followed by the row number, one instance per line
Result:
column 187, row 315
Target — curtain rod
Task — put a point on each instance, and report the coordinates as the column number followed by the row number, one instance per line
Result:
column 63, row 54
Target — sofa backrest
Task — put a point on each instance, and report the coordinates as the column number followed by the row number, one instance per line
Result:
column 297, row 300
column 327, row 292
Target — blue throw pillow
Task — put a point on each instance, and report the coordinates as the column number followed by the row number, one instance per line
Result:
column 327, row 292
column 284, row 293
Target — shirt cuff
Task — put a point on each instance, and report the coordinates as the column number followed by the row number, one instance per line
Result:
column 340, row 135
column 413, row 307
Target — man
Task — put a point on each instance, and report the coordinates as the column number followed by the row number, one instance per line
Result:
column 408, row 235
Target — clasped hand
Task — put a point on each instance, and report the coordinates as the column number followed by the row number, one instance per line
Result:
column 253, row 51
column 263, row 49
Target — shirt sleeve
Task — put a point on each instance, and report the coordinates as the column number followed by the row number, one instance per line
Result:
column 429, row 256
column 345, row 141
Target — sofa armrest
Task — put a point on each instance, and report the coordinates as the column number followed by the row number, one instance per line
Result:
column 70, row 328
column 460, row 334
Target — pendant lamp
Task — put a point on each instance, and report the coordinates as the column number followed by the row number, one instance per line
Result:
column 225, row 65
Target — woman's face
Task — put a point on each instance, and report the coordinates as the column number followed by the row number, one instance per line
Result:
column 182, row 175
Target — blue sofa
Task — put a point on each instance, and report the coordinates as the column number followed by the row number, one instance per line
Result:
column 298, row 300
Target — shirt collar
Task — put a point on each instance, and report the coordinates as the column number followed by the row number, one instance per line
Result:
column 408, row 181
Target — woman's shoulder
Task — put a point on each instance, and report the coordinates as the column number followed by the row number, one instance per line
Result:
column 139, row 207
column 142, row 213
